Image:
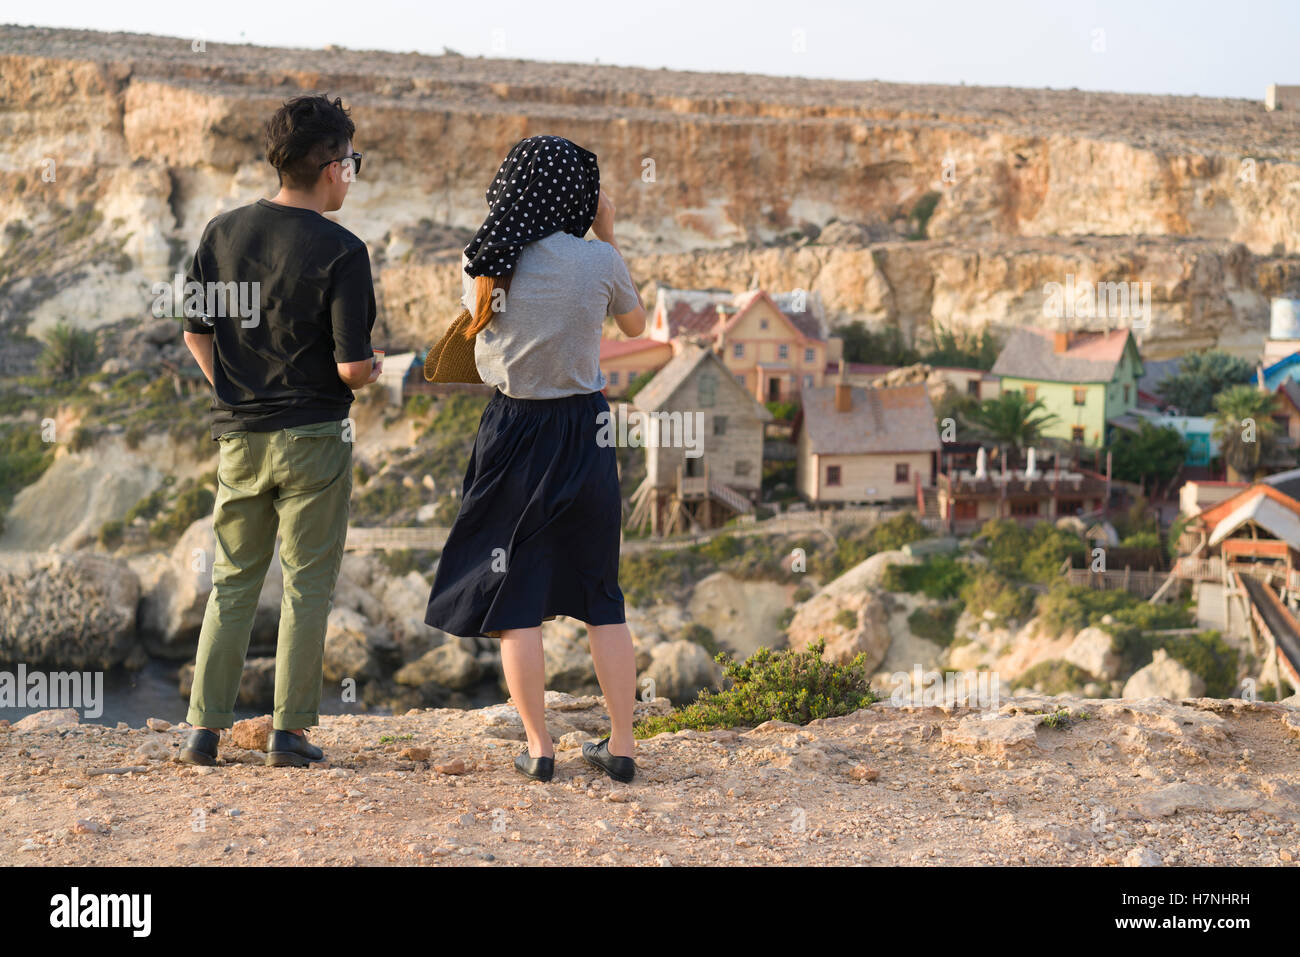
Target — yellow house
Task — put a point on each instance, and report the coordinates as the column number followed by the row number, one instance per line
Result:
column 775, row 350
column 864, row 445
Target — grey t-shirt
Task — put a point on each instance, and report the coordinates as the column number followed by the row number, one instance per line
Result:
column 545, row 343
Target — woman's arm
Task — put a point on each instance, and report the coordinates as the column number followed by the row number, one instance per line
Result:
column 631, row 323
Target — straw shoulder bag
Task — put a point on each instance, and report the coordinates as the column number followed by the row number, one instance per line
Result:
column 452, row 359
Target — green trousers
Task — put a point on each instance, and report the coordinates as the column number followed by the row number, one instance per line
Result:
column 297, row 481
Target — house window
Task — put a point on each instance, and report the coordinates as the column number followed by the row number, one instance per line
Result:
column 809, row 356
column 613, row 378
column 783, row 351
column 967, row 508
column 1024, row 506
column 738, row 350
column 762, row 323
column 1031, row 393
column 900, row 471
column 1076, row 433
column 631, row 377
column 1127, row 392
column 973, row 387
column 1069, row 506
column 708, row 386
column 742, row 466
column 1080, row 396
column 740, row 377
column 807, row 382
column 719, row 425
column 832, row 475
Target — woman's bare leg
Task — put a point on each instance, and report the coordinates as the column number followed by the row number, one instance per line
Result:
column 615, row 661
column 524, row 665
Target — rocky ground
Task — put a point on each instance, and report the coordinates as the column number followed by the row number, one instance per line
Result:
column 1147, row 782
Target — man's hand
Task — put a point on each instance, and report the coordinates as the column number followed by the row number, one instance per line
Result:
column 376, row 371
column 603, row 227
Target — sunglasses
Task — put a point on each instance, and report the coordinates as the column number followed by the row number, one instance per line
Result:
column 356, row 162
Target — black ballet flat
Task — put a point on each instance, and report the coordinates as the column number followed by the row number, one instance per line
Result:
column 616, row 766
column 537, row 769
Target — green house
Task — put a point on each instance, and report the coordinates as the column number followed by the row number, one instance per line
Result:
column 1084, row 378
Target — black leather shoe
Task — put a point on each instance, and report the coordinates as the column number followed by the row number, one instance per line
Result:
column 616, row 766
column 289, row 750
column 539, row 769
column 200, row 747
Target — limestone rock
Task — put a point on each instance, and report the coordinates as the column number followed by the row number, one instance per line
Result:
column 73, row 611
column 449, row 666
column 48, row 720
column 252, row 734
column 1164, row 678
column 680, row 670
column 1092, row 651
column 742, row 615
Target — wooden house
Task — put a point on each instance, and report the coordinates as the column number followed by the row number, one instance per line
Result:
column 683, row 490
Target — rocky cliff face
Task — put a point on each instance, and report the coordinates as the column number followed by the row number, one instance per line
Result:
column 120, row 147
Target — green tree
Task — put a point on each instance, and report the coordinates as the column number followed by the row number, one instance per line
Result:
column 1010, row 419
column 1153, row 452
column 1244, row 428
column 1202, row 376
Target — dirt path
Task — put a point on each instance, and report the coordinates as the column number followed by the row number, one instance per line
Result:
column 1138, row 782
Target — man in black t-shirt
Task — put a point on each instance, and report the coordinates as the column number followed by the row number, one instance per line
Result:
column 279, row 307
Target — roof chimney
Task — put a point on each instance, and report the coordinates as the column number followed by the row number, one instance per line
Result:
column 1060, row 342
column 843, row 391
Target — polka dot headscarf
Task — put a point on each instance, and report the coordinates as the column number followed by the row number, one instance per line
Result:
column 546, row 184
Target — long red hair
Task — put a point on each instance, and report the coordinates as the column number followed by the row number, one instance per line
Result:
column 485, row 288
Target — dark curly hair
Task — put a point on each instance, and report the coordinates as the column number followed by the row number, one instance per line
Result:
column 302, row 134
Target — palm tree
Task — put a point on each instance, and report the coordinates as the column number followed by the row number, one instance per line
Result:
column 1244, row 428
column 1009, row 419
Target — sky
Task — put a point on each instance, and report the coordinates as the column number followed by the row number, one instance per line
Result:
column 1222, row 48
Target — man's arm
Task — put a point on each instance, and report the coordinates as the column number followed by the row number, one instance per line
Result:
column 201, row 347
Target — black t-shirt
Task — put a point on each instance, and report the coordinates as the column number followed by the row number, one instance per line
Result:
column 287, row 294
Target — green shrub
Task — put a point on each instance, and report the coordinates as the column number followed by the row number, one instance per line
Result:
column 702, row 636
column 1008, row 600
column 937, row 576
column 192, row 504
column 846, row 618
column 1205, row 654
column 69, row 352
column 794, row 686
column 1034, row 553
column 110, row 534
column 895, row 532
column 935, row 623
column 1054, row 677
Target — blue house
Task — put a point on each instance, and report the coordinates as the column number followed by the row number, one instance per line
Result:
column 1283, row 370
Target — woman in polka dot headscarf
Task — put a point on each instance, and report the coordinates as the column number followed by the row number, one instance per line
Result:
column 539, row 527
column 545, row 185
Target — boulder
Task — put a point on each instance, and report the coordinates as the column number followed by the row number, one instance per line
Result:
column 350, row 647
column 742, row 615
column 176, row 593
column 73, row 611
column 822, row 616
column 680, row 670
column 449, row 666
column 1092, row 651
column 51, row 719
column 568, row 657
column 1164, row 678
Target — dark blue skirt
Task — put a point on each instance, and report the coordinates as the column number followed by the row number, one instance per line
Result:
column 539, row 525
